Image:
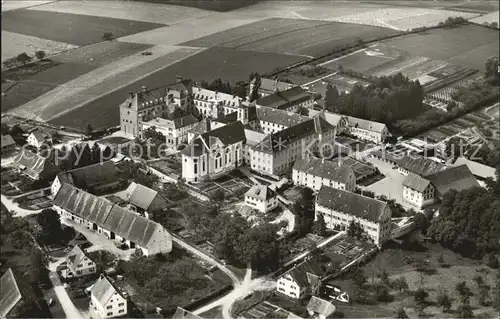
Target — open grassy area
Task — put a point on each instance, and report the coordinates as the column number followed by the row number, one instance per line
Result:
column 468, row 45
column 69, row 28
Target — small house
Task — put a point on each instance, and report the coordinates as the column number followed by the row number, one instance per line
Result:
column 261, row 198
column 106, row 301
column 300, row 281
column 78, row 264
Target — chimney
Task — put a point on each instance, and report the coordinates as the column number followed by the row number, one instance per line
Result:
column 178, row 78
column 144, row 89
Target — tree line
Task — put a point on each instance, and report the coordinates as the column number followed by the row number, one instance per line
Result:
column 387, row 100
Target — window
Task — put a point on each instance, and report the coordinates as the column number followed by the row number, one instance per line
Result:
column 109, row 314
column 109, row 307
column 121, row 311
column 91, row 269
column 121, row 304
column 79, row 272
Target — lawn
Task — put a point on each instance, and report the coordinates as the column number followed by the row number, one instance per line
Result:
column 292, row 36
column 66, row 67
column 228, row 64
column 468, row 45
column 75, row 29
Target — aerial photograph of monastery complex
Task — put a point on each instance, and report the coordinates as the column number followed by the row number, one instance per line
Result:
column 250, row 159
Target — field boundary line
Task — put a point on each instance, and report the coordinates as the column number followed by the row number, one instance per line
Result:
column 352, row 53
column 122, row 86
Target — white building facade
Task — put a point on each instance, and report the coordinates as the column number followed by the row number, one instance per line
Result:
column 261, row 198
column 315, row 173
column 106, row 301
column 418, row 191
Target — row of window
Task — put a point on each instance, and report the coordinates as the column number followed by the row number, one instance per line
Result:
column 121, row 304
column 119, row 311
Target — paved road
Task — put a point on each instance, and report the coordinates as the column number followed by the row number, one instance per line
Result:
column 63, row 297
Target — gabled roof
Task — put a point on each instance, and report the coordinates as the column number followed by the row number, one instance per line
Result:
column 419, row 165
column 284, row 99
column 476, row 168
column 100, row 211
column 320, row 306
column 223, row 99
column 270, row 85
column 185, row 120
column 456, row 177
column 305, row 273
column 279, row 117
column 202, row 127
column 140, row 195
column 103, row 290
column 351, row 203
column 182, row 313
column 261, row 192
column 366, row 124
column 324, row 169
column 91, row 175
column 7, row 140
column 416, row 183
column 14, row 291
column 332, row 118
column 227, row 135
column 281, row 140
column 34, row 162
column 75, row 257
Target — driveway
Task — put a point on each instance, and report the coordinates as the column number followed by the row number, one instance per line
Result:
column 61, row 293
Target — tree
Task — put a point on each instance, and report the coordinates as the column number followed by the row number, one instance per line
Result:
column 464, row 291
column 107, row 36
column 492, row 260
column 382, row 293
column 218, row 196
column 451, row 105
column 38, row 265
column 484, row 294
column 479, row 280
column 319, row 227
column 491, row 68
column 260, row 248
column 355, row 230
column 444, row 301
column 359, row 277
column 400, row 284
column 303, row 111
column 40, row 55
column 401, row 313
column 50, row 223
column 304, row 211
column 465, row 311
column 23, row 58
column 420, row 297
column 254, row 95
column 331, row 98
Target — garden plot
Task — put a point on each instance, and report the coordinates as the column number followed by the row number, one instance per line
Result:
column 402, row 18
column 137, row 11
column 15, row 43
column 69, row 28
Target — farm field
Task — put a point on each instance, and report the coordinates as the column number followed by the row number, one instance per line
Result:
column 136, row 11
column 69, row 28
column 228, row 64
column 468, row 45
column 20, row 4
column 490, row 17
column 375, row 57
column 70, row 65
column 403, row 18
column 15, row 43
column 101, row 81
column 306, row 37
column 478, row 6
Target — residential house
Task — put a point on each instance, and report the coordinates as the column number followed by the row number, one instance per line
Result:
column 17, row 298
column 143, row 200
column 214, row 153
column 207, row 102
column 456, row 177
column 269, row 86
column 112, row 221
column 315, row 172
column 147, row 104
column 320, row 308
column 300, row 281
column 39, row 137
column 96, row 179
column 368, row 130
column 480, row 171
column 175, row 131
column 418, row 191
column 289, row 100
column 35, row 166
column 182, row 313
column 261, row 198
column 78, row 264
column 8, row 144
column 277, row 152
column 106, row 301
column 339, row 208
